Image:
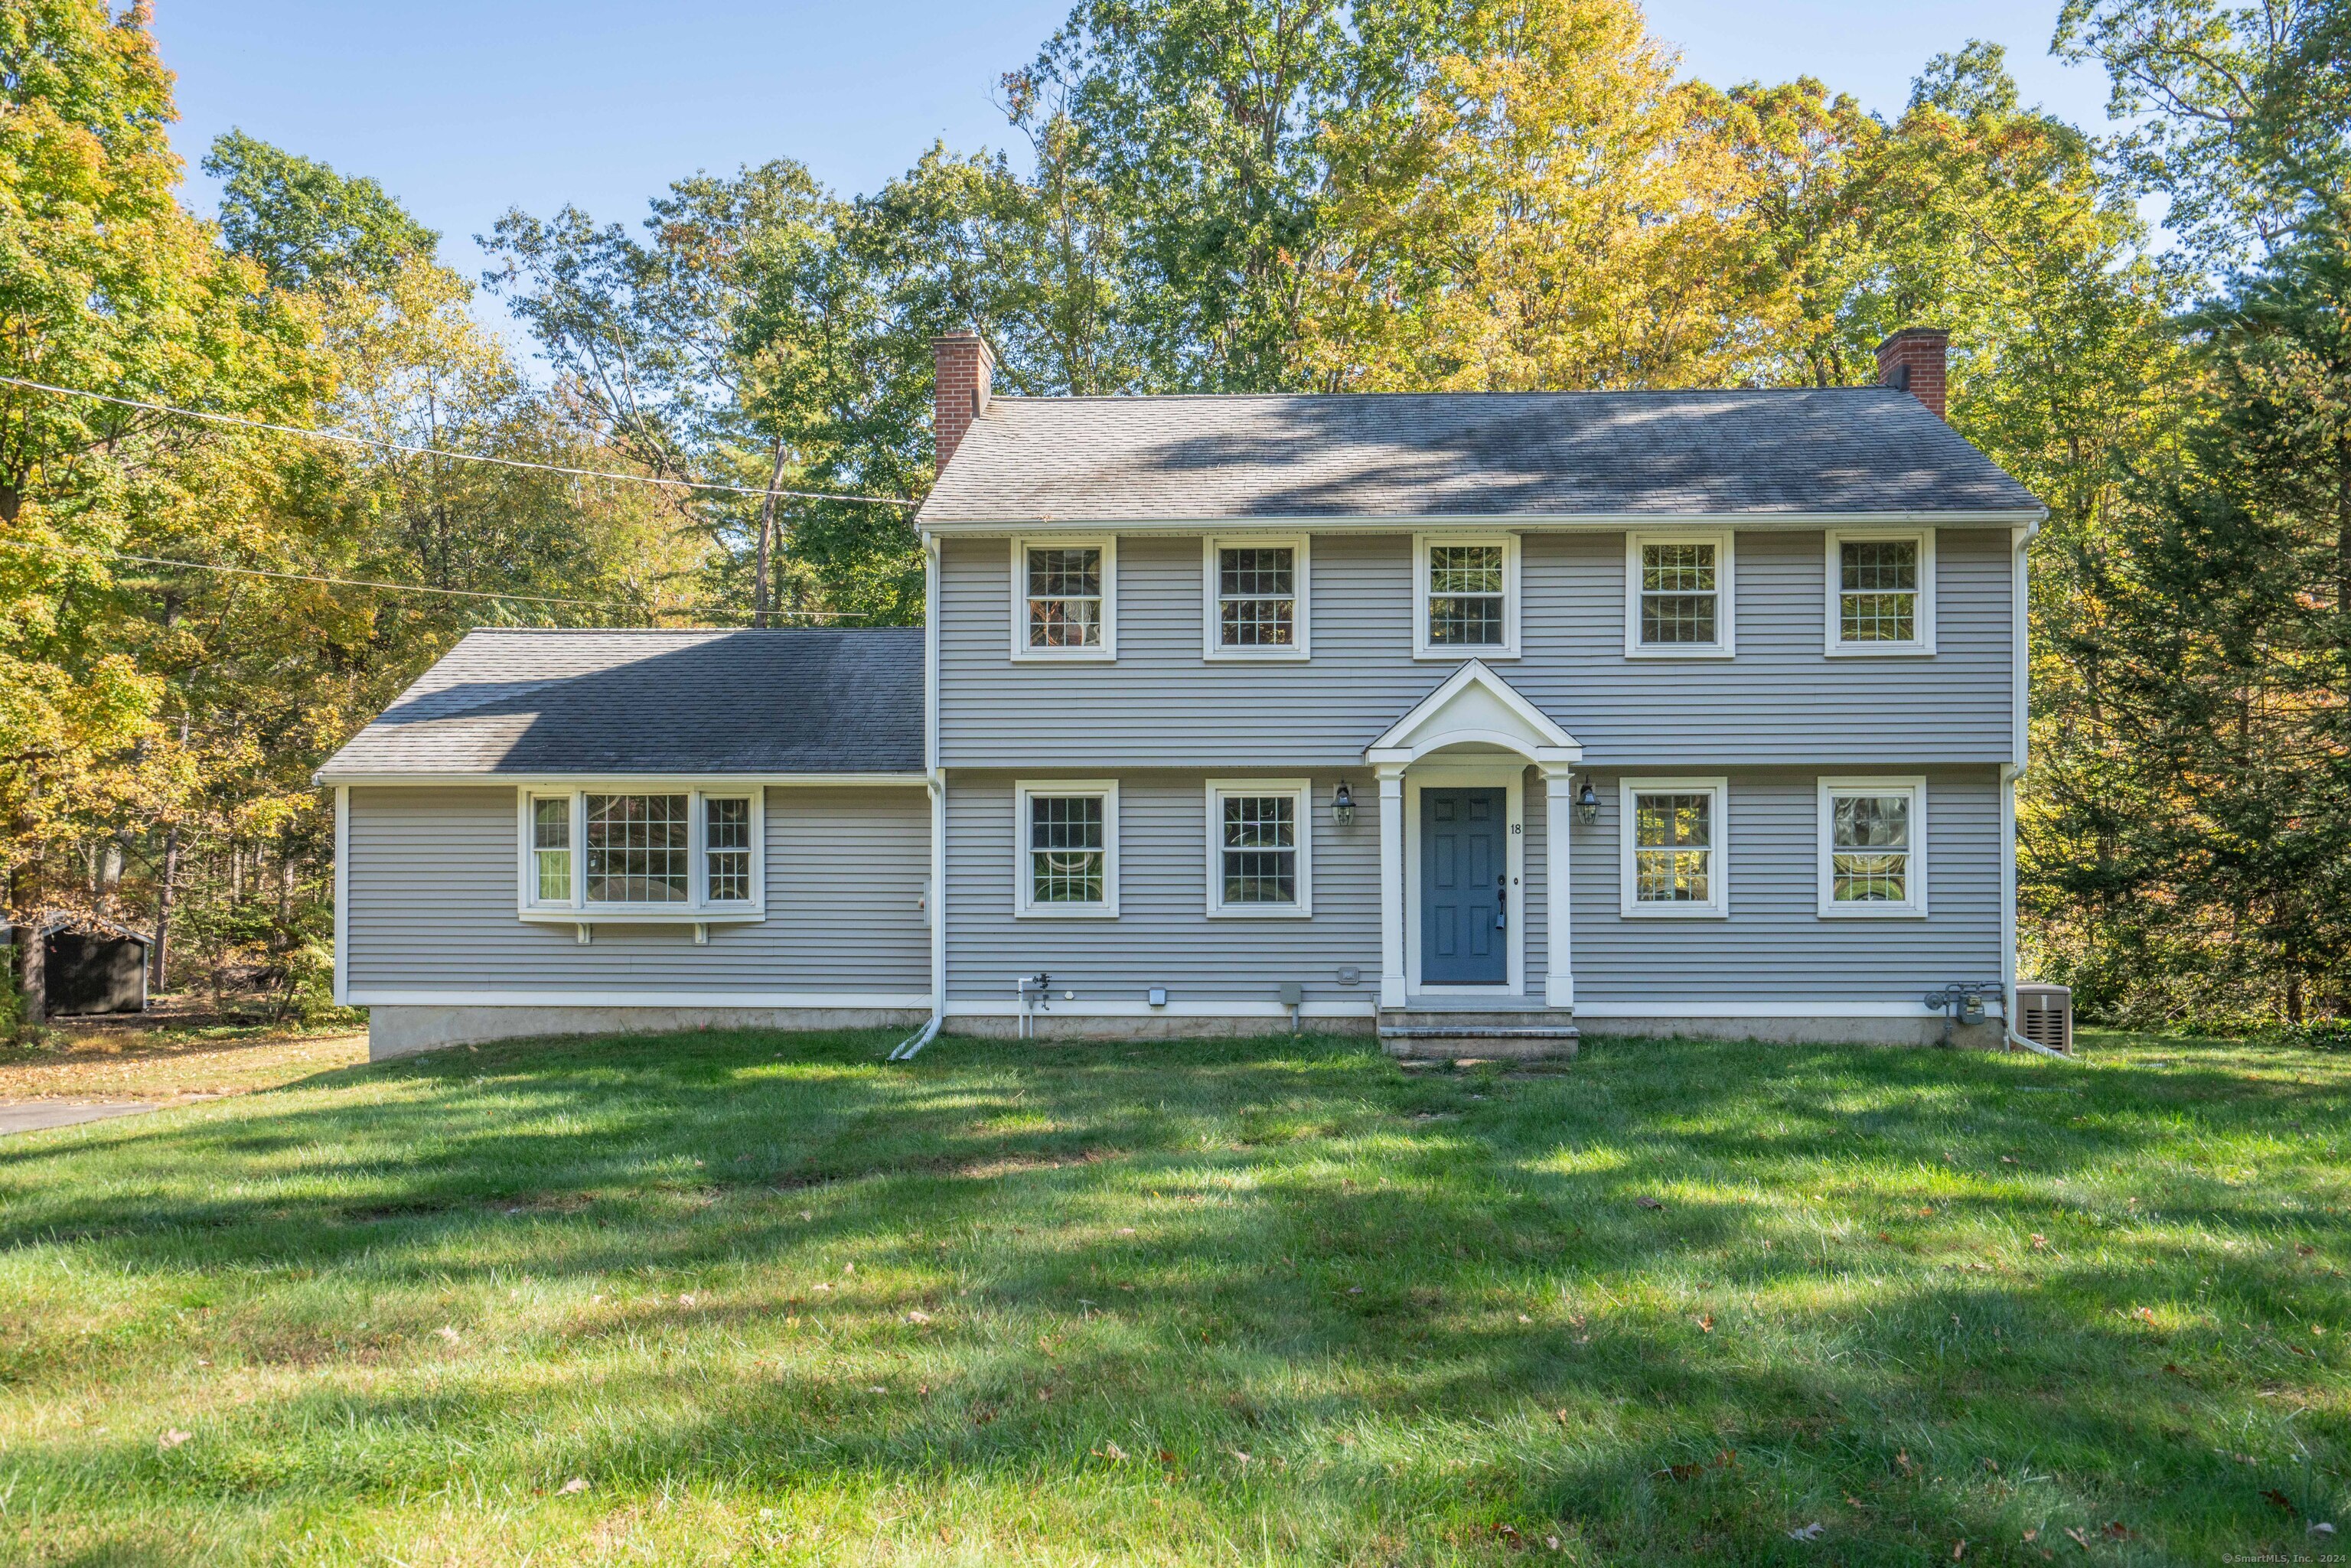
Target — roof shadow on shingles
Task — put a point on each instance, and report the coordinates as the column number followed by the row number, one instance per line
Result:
column 813, row 701
column 1667, row 453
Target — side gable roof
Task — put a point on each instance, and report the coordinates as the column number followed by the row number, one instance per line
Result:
column 1796, row 453
column 528, row 702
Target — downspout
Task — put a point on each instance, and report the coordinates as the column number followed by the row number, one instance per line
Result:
column 2020, row 677
column 937, row 779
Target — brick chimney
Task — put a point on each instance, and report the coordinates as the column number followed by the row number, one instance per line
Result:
column 966, row 373
column 1913, row 360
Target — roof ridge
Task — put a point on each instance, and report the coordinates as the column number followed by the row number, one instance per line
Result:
column 1333, row 397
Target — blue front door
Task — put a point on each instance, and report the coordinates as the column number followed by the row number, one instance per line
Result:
column 1464, row 887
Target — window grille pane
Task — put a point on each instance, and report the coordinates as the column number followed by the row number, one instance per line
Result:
column 1260, row 849
column 1255, row 597
column 638, row 847
column 1869, row 858
column 1065, row 598
column 1679, row 594
column 726, row 840
column 550, row 848
column 1465, row 594
column 1673, row 848
column 1877, row 598
column 1068, row 848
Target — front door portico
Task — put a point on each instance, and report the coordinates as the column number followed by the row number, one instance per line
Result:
column 1452, row 872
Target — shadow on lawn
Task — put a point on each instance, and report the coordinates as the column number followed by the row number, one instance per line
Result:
column 1321, row 1244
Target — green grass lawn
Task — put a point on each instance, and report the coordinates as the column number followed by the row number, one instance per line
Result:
column 762, row 1298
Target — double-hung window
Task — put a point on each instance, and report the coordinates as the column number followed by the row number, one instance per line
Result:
column 1259, row 848
column 671, row 852
column 1674, row 858
column 1881, row 592
column 1065, row 834
column 1679, row 601
column 1873, row 847
column 1256, row 603
column 1466, row 596
column 1065, row 599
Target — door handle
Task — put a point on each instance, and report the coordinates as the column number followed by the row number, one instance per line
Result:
column 1502, row 902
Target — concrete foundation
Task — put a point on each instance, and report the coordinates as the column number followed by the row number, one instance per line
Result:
column 1925, row 1029
column 407, row 1030
column 1144, row 1026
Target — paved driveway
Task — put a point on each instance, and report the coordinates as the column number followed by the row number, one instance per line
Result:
column 32, row 1115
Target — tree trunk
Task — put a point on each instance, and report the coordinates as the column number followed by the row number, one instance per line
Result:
column 155, row 953
column 30, row 943
column 759, row 587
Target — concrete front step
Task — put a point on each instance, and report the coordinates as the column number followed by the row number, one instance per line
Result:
column 1519, row 1034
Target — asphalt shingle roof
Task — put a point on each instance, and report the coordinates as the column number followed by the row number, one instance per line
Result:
column 528, row 702
column 1429, row 454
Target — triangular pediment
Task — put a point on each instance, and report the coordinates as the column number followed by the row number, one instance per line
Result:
column 1475, row 710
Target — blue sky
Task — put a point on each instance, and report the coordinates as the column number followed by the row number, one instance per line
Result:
column 463, row 109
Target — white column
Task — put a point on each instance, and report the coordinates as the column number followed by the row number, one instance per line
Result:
column 1390, row 885
column 1559, row 821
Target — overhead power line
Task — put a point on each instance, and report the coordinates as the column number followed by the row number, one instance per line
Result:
column 366, row 583
column 350, row 440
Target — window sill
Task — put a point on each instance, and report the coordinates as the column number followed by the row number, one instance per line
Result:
column 645, row 915
column 1461, row 653
column 1239, row 657
column 1852, row 912
column 1643, row 912
column 1695, row 653
column 1889, row 651
column 1089, row 656
column 1275, row 912
column 1096, row 913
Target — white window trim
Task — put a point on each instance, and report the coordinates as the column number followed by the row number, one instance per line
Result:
column 1916, row 907
column 698, row 910
column 1833, row 568
column 1212, row 623
column 1726, row 584
column 1025, row 908
column 1719, row 874
column 1021, row 652
column 1457, row 653
column 1300, row 790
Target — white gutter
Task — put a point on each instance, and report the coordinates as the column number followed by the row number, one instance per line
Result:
column 1611, row 522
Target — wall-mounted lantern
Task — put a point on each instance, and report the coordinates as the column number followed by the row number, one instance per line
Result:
column 1587, row 804
column 1342, row 804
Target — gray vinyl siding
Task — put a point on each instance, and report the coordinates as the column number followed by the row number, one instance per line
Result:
column 1775, row 948
column 431, row 886
column 1781, row 701
column 1162, row 936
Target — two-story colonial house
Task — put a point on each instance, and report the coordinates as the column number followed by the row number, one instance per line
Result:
column 1465, row 716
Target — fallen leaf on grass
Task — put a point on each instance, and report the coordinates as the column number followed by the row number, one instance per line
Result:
column 1811, row 1531
column 2173, row 1367
column 1646, row 1201
column 575, row 1485
column 1902, row 1461
column 1958, row 1550
column 1706, row 1322
column 2040, row 1242
column 1111, row 1451
column 1166, row 1456
column 1509, row 1533
column 446, row 1332
column 2117, row 1529
column 2278, row 1500
column 172, row 1438
column 2303, row 1250
column 919, row 1317
column 2144, row 1314
column 2078, row 1539
column 2032, row 1535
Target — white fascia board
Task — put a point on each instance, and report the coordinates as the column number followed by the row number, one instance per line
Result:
column 633, row 781
column 1609, row 522
column 1546, row 742
column 896, row 1001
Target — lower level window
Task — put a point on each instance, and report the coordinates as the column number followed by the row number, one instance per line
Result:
column 1068, row 848
column 1257, row 847
column 1673, row 861
column 1873, row 846
column 669, row 850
